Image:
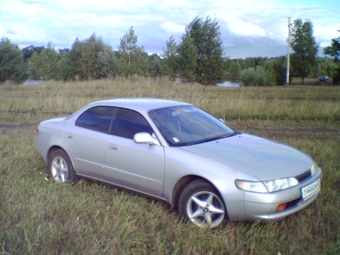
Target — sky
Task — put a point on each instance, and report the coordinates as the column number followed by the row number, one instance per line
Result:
column 249, row 28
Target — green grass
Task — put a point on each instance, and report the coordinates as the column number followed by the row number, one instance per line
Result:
column 41, row 217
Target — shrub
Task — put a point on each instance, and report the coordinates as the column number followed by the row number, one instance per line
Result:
column 336, row 77
column 257, row 77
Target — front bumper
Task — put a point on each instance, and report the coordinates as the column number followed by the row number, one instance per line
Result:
column 263, row 207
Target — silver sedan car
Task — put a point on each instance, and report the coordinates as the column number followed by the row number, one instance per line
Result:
column 178, row 153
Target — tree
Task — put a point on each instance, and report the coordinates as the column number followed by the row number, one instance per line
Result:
column 66, row 70
column 11, row 62
column 90, row 50
column 187, row 59
column 334, row 52
column 28, row 51
column 304, row 47
column 35, row 66
column 226, row 64
column 132, row 59
column 234, row 71
column 155, row 68
column 72, row 68
column 107, row 63
column 206, row 37
column 88, row 59
column 44, row 65
column 334, row 49
column 324, row 66
column 254, row 62
column 50, row 60
column 27, row 54
column 140, row 62
column 170, row 55
column 277, row 67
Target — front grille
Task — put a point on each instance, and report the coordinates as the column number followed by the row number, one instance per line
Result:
column 304, row 176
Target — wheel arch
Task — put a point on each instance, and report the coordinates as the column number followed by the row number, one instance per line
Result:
column 184, row 181
column 53, row 149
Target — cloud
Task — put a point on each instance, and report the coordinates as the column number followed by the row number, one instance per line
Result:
column 22, row 9
column 171, row 27
column 243, row 28
column 101, row 5
column 249, row 24
column 323, row 33
column 243, row 47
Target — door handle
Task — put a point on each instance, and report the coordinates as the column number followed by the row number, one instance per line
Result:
column 69, row 136
column 112, row 147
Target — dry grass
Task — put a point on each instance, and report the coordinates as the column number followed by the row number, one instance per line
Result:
column 40, row 217
column 293, row 102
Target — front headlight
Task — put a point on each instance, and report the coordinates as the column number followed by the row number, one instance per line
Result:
column 267, row 186
column 314, row 169
column 280, row 184
column 251, row 186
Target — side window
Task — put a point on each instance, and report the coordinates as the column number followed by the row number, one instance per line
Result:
column 126, row 123
column 97, row 118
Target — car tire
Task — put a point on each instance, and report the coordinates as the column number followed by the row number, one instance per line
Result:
column 60, row 167
column 200, row 203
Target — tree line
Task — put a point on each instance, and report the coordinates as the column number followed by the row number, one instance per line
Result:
column 198, row 58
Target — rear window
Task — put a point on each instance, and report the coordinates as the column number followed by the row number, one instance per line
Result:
column 96, row 118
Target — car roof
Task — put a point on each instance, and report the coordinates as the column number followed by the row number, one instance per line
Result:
column 141, row 104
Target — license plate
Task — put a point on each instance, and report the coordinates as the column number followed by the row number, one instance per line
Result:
column 311, row 189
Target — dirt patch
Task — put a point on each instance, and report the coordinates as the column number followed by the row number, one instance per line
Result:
column 324, row 134
column 8, row 128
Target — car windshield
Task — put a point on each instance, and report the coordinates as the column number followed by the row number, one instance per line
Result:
column 188, row 125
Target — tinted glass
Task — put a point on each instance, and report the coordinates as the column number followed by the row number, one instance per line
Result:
column 97, row 118
column 188, row 125
column 127, row 123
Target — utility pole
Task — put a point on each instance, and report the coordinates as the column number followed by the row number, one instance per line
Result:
column 288, row 53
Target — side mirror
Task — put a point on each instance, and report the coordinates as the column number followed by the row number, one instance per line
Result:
column 145, row 138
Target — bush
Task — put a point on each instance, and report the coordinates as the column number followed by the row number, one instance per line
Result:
column 336, row 77
column 12, row 64
column 257, row 77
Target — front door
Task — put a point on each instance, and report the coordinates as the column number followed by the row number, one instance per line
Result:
column 139, row 167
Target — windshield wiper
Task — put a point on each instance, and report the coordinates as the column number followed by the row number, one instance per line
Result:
column 210, row 139
column 235, row 133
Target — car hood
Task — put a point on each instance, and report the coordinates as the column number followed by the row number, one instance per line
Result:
column 259, row 157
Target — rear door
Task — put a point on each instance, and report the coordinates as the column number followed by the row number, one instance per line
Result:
column 85, row 141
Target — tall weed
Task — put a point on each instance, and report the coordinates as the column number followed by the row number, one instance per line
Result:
column 41, row 217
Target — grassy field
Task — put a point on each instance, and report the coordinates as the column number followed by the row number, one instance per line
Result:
column 40, row 217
